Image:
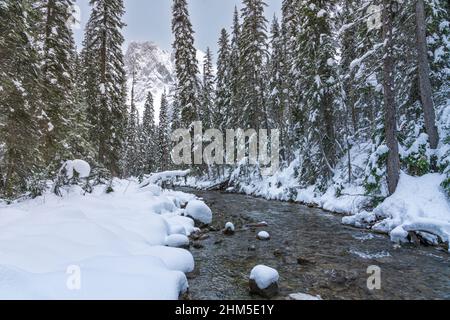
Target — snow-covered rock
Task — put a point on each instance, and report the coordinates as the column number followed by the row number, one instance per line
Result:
column 263, row 235
column 177, row 241
column 199, row 211
column 264, row 281
column 264, row 276
column 229, row 229
column 304, row 297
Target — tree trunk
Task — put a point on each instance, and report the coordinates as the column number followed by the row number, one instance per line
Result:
column 393, row 161
column 424, row 75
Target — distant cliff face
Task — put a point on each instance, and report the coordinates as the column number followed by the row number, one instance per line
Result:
column 154, row 70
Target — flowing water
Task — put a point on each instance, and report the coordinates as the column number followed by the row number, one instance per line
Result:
column 313, row 252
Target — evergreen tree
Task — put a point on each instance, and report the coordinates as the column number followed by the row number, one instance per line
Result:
column 149, row 136
column 105, row 80
column 289, row 29
column 186, row 64
column 20, row 80
column 58, row 87
column 164, row 134
column 235, row 107
column 252, row 57
column 320, row 99
column 276, row 85
column 131, row 164
column 222, row 108
column 207, row 94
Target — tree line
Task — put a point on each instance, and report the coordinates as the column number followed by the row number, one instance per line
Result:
column 331, row 75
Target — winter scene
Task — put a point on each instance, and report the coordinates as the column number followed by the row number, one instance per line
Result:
column 257, row 150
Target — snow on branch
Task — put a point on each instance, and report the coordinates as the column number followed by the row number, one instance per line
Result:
column 160, row 177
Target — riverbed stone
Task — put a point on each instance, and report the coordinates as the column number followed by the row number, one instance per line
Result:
column 303, row 261
column 268, row 293
column 198, row 245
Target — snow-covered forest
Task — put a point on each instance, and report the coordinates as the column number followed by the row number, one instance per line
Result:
column 358, row 90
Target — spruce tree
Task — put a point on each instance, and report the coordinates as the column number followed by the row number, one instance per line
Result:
column 20, row 83
column 222, row 108
column 235, row 106
column 207, row 93
column 149, row 136
column 105, row 80
column 164, row 135
column 187, row 91
column 131, row 163
column 318, row 82
column 252, row 58
column 289, row 29
column 58, row 87
column 276, row 86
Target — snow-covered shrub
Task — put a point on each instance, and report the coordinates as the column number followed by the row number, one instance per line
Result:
column 73, row 172
column 376, row 173
column 444, row 166
column 417, row 158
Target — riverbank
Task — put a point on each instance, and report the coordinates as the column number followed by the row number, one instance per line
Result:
column 313, row 252
column 419, row 211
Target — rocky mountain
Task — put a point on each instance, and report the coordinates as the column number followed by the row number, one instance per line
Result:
column 154, row 71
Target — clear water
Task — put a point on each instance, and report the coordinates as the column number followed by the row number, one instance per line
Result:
column 333, row 258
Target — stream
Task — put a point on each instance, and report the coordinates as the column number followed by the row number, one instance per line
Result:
column 312, row 251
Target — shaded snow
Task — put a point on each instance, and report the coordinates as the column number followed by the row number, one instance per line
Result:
column 419, row 204
column 117, row 240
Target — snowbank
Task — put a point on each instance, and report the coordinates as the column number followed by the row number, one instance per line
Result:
column 117, row 240
column 419, row 204
column 264, row 276
column 199, row 211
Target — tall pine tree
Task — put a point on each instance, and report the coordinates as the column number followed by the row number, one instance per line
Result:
column 20, row 80
column 105, row 80
column 207, row 93
column 187, row 91
column 252, row 58
column 222, row 108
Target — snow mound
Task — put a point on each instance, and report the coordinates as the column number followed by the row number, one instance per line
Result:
column 117, row 240
column 199, row 211
column 264, row 276
column 419, row 204
column 177, row 241
column 110, row 278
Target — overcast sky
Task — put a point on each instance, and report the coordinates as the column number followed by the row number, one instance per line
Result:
column 151, row 20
